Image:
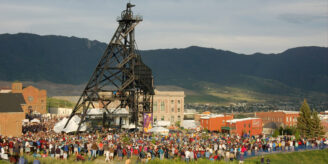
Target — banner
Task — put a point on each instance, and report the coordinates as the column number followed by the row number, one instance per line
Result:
column 256, row 123
column 148, row 121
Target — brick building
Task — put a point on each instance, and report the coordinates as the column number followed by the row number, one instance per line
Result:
column 168, row 105
column 11, row 114
column 36, row 100
column 250, row 126
column 214, row 122
column 280, row 117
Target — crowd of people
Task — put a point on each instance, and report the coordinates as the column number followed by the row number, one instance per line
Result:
column 147, row 146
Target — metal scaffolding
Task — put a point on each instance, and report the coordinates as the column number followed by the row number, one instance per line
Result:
column 121, row 73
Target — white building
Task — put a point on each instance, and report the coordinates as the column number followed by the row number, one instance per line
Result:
column 61, row 111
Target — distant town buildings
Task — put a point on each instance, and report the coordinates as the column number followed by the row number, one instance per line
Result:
column 226, row 124
column 279, row 117
column 11, row 114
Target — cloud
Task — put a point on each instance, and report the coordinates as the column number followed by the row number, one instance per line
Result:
column 303, row 19
column 241, row 26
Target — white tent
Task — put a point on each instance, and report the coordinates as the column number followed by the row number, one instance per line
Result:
column 189, row 124
column 71, row 127
column 25, row 121
column 159, row 130
column 35, row 121
column 131, row 126
column 163, row 123
column 95, row 111
column 100, row 111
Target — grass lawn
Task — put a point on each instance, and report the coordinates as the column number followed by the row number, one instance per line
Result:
column 306, row 157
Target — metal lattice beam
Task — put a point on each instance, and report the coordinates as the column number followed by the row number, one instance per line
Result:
column 121, row 68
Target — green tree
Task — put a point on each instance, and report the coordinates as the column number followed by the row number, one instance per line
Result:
column 308, row 123
column 316, row 128
column 275, row 133
column 178, row 123
column 304, row 120
column 297, row 134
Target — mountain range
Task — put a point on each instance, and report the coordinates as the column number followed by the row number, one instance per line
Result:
column 207, row 75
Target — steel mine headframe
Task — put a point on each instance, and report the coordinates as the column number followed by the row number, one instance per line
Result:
column 120, row 73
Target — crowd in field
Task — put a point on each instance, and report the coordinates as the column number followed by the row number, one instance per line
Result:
column 187, row 147
column 146, row 146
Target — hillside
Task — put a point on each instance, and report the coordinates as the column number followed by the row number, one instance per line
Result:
column 209, row 75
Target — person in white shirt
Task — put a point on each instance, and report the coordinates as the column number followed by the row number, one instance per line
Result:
column 187, row 153
column 191, row 155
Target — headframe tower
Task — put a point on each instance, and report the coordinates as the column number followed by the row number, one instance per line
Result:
column 120, row 74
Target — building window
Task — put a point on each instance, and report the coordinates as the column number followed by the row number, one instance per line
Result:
column 172, row 101
column 172, row 109
column 155, row 106
column 178, row 101
column 30, row 98
column 179, row 118
column 162, row 118
column 162, row 106
column 172, row 118
column 178, row 109
column 286, row 119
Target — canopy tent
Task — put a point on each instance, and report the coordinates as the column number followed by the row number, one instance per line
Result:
column 35, row 121
column 188, row 124
column 100, row 111
column 159, row 130
column 163, row 123
column 131, row 126
column 71, row 127
column 25, row 121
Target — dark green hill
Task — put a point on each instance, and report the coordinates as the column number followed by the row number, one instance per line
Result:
column 210, row 72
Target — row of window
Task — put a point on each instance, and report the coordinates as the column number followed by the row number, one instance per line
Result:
column 172, row 118
column 291, row 119
column 30, row 99
column 162, row 107
column 273, row 119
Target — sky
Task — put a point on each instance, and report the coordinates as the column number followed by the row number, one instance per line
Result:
column 267, row 26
